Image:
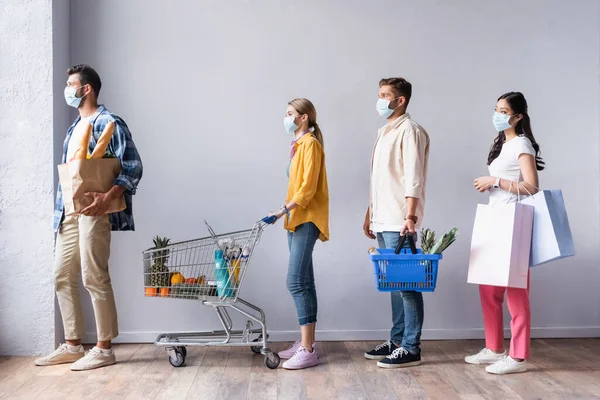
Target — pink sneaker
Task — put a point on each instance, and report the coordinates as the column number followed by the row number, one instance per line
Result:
column 302, row 359
column 290, row 351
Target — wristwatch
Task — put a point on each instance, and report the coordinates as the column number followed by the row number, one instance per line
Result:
column 285, row 209
column 413, row 218
column 497, row 184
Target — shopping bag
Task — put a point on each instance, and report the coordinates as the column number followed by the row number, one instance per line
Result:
column 552, row 238
column 79, row 177
column 500, row 245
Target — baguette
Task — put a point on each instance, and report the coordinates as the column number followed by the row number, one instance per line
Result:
column 82, row 150
column 104, row 140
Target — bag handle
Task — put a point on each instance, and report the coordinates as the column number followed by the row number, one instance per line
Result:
column 411, row 243
column 518, row 190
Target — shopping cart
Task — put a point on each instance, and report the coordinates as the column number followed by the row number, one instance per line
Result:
column 405, row 268
column 210, row 270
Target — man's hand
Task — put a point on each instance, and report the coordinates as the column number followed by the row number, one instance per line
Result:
column 367, row 226
column 102, row 201
column 409, row 226
column 99, row 206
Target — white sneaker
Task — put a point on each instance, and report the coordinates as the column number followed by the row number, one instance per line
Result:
column 291, row 351
column 485, row 356
column 95, row 358
column 507, row 365
column 62, row 355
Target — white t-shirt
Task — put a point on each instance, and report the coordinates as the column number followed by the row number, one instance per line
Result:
column 506, row 167
column 76, row 137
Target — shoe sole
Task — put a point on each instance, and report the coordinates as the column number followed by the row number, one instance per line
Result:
column 393, row 366
column 49, row 364
column 89, row 368
column 506, row 373
column 482, row 362
column 376, row 358
column 303, row 367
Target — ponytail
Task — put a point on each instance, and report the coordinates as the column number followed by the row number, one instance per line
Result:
column 304, row 106
column 317, row 132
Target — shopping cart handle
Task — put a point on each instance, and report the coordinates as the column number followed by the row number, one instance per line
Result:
column 271, row 219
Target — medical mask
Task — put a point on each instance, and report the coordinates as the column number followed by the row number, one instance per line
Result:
column 500, row 121
column 290, row 126
column 383, row 107
column 71, row 96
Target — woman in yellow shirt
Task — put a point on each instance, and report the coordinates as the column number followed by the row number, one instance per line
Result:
column 306, row 218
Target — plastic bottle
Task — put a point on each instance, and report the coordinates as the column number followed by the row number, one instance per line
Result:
column 245, row 253
column 222, row 275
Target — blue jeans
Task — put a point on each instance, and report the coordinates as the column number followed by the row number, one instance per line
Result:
column 407, row 306
column 301, row 278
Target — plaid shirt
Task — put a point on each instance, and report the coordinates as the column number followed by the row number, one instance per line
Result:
column 122, row 146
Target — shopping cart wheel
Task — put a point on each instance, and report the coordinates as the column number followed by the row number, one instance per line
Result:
column 272, row 360
column 183, row 350
column 256, row 349
column 179, row 358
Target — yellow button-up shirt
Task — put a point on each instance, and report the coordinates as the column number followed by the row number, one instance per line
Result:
column 307, row 187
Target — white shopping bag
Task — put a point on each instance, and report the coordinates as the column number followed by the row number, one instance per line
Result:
column 500, row 245
column 551, row 239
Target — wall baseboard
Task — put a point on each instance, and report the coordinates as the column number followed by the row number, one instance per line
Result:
column 382, row 334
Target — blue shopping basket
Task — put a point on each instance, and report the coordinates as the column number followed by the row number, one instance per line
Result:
column 405, row 270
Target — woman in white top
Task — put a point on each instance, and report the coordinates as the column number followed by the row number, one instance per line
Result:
column 514, row 161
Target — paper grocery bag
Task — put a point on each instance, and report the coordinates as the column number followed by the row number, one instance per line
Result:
column 552, row 238
column 79, row 177
column 500, row 245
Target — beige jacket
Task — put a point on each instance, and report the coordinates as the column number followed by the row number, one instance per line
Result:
column 398, row 170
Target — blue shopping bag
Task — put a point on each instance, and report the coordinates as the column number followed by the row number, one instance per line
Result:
column 552, row 238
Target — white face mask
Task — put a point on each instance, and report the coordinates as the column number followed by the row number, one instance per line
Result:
column 500, row 121
column 71, row 96
column 289, row 124
column 383, row 107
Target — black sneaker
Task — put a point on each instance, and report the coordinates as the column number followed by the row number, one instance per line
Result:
column 400, row 358
column 381, row 351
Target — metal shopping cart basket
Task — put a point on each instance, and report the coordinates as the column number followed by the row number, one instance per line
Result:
column 405, row 268
column 210, row 270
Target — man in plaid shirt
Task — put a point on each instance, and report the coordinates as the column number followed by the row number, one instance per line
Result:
column 83, row 240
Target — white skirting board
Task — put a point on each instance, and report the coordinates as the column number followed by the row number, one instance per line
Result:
column 338, row 335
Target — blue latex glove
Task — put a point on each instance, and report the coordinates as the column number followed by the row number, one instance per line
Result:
column 271, row 219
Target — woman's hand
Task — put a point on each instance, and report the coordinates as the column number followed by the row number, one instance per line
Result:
column 484, row 183
column 277, row 216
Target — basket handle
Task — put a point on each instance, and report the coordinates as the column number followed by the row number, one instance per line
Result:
column 411, row 243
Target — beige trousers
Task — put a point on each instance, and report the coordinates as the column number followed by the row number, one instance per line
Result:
column 83, row 247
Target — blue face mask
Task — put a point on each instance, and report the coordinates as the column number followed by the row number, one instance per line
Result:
column 290, row 126
column 71, row 96
column 500, row 121
column 383, row 107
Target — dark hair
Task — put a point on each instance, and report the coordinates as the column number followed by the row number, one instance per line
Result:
column 401, row 85
column 87, row 75
column 518, row 104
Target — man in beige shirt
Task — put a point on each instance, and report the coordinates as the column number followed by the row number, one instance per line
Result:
column 397, row 203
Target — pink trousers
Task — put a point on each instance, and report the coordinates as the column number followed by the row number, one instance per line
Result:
column 492, row 298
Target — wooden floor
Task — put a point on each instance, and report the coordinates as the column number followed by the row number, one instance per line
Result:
column 562, row 369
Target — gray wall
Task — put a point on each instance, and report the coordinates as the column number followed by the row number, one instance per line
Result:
column 26, row 184
column 204, row 86
column 63, row 114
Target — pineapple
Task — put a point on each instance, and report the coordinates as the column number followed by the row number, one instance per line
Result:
column 159, row 273
column 427, row 240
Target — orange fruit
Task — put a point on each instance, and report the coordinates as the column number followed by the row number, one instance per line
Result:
column 177, row 278
column 150, row 291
